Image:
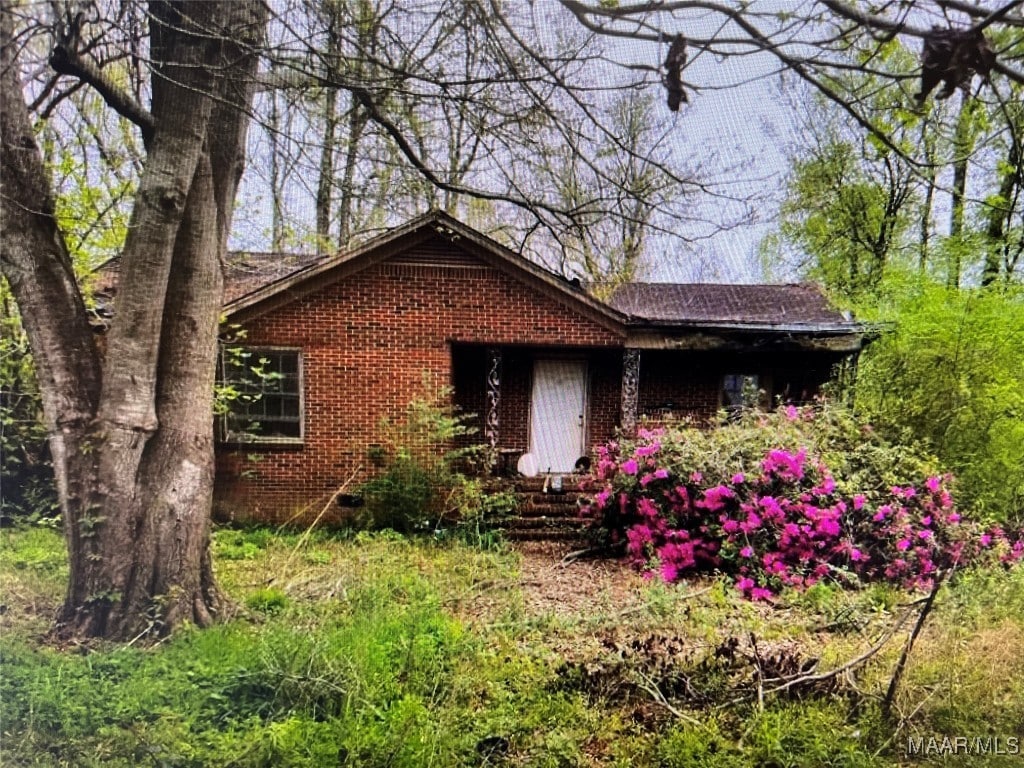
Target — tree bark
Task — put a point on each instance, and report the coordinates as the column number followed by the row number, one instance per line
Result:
column 325, row 183
column 133, row 443
column 35, row 260
column 999, row 214
column 963, row 144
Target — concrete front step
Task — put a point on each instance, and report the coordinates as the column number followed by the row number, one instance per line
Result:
column 548, row 522
column 543, row 499
column 550, row 534
column 549, row 510
column 570, row 483
column 546, row 515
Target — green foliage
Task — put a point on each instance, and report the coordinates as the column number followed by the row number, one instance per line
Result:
column 26, row 477
column 370, row 661
column 93, row 193
column 479, row 508
column 423, row 484
column 862, row 459
column 850, row 214
column 950, row 372
column 269, row 600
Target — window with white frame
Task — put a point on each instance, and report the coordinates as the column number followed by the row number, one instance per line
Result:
column 263, row 386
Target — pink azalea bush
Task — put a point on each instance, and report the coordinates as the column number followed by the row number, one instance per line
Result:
column 783, row 519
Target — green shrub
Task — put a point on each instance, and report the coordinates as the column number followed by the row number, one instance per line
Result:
column 424, row 457
column 267, row 600
column 862, row 459
column 817, row 498
column 949, row 371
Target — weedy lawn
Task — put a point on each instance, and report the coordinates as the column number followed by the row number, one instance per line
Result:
column 379, row 650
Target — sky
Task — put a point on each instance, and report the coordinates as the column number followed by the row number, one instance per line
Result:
column 736, row 132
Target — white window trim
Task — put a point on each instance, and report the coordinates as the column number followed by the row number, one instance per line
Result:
column 245, row 438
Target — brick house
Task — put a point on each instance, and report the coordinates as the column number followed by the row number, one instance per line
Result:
column 547, row 368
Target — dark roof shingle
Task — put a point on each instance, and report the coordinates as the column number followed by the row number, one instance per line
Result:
column 697, row 303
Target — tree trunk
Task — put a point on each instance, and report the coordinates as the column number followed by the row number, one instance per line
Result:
column 999, row 214
column 963, row 144
column 924, row 239
column 356, row 125
column 325, row 181
column 134, row 457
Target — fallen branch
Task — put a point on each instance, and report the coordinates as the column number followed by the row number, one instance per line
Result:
column 604, row 549
column 832, row 673
column 316, row 521
column 897, row 675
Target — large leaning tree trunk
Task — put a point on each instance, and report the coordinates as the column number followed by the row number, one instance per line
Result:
column 131, row 430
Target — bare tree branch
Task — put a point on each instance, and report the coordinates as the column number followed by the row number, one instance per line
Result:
column 66, row 60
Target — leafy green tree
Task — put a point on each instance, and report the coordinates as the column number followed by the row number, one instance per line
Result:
column 949, row 370
column 849, row 215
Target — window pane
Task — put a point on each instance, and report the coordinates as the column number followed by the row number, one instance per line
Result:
column 269, row 401
column 739, row 389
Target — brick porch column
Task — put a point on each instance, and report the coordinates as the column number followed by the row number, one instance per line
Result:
column 630, row 389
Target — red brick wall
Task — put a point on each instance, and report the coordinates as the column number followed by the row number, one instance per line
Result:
column 366, row 342
column 688, row 384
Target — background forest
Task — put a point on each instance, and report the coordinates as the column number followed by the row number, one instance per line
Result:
column 580, row 134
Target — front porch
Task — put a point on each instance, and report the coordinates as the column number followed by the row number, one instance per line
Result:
column 556, row 404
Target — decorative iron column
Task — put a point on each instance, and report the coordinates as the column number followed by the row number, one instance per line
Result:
column 493, row 401
column 630, row 388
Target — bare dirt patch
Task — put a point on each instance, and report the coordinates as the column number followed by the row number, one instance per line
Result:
column 581, row 587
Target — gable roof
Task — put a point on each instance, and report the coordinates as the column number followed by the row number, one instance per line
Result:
column 256, row 282
column 249, row 294
column 795, row 306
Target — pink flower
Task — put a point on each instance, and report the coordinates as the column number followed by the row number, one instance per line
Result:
column 933, row 484
column 828, row 527
column 647, row 450
column 714, row 498
column 747, row 552
column 660, row 474
column 739, row 478
column 771, row 509
column 761, row 593
column 792, row 412
column 858, row 502
column 630, row 467
column 786, row 466
column 751, row 524
column 646, row 508
column 903, row 545
column 826, row 487
column 745, row 584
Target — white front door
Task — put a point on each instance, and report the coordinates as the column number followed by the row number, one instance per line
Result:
column 557, row 409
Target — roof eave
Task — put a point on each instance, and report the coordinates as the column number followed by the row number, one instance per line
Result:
column 826, row 329
column 487, row 248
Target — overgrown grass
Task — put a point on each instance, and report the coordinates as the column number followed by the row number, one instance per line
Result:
column 377, row 650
